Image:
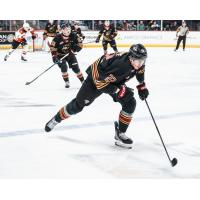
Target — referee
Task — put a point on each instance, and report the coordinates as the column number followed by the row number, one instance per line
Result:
column 181, row 32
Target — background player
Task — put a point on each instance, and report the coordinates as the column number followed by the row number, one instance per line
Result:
column 109, row 33
column 21, row 39
column 66, row 43
column 108, row 75
column 50, row 31
column 181, row 33
column 76, row 29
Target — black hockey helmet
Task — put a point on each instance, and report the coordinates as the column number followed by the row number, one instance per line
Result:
column 65, row 29
column 138, row 51
column 64, row 25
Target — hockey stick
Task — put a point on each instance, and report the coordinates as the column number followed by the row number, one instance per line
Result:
column 174, row 161
column 29, row 82
column 33, row 41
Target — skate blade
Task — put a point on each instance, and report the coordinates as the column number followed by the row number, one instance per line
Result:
column 120, row 144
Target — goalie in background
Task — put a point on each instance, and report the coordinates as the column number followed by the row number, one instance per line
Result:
column 109, row 33
column 181, row 33
column 20, row 38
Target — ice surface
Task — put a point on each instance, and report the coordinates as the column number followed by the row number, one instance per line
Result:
column 83, row 146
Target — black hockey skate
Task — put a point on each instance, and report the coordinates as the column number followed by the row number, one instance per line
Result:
column 50, row 124
column 23, row 59
column 6, row 58
column 121, row 139
column 67, row 84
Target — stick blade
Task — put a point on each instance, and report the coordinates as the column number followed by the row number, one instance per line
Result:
column 27, row 83
column 174, row 162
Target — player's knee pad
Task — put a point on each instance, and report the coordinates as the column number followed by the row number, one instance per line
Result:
column 15, row 44
column 63, row 66
column 75, row 68
column 74, row 107
column 129, row 106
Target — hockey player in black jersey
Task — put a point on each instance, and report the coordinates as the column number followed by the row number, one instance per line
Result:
column 50, row 31
column 76, row 29
column 108, row 75
column 109, row 33
column 66, row 43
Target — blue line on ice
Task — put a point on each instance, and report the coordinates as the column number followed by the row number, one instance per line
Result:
column 95, row 124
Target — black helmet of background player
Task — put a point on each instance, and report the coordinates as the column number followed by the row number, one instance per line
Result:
column 107, row 24
column 137, row 51
column 65, row 29
column 76, row 24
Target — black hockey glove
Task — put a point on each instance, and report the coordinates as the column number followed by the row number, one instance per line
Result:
column 56, row 60
column 124, row 94
column 142, row 91
column 97, row 40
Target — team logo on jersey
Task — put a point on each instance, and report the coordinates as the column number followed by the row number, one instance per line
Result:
column 110, row 78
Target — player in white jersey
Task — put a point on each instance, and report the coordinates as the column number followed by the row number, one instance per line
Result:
column 181, row 33
column 21, row 37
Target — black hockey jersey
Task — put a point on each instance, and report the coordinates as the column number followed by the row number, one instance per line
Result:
column 51, row 29
column 108, row 35
column 62, row 45
column 109, row 74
